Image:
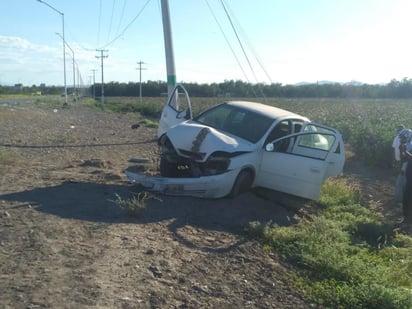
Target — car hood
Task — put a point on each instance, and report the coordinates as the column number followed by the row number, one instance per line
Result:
column 194, row 137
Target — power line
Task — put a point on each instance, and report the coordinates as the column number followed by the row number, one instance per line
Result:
column 249, row 44
column 127, row 26
column 121, row 17
column 100, row 18
column 241, row 45
column 228, row 42
column 111, row 21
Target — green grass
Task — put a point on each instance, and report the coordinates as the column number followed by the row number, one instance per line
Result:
column 344, row 256
column 8, row 155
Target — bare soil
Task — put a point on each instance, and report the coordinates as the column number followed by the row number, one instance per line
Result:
column 65, row 243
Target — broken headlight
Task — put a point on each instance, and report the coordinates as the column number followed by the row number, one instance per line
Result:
column 217, row 163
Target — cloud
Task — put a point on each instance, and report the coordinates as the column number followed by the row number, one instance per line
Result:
column 23, row 45
column 27, row 62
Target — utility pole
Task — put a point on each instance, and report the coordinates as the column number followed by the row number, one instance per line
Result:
column 140, row 80
column 102, row 56
column 74, row 74
column 79, row 78
column 170, row 61
column 64, row 49
column 94, row 84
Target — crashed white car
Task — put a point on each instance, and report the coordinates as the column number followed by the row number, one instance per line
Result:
column 237, row 145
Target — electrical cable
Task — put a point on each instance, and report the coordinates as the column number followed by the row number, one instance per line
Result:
column 241, row 45
column 227, row 41
column 238, row 38
column 127, row 26
column 111, row 20
column 249, row 44
column 98, row 28
column 121, row 16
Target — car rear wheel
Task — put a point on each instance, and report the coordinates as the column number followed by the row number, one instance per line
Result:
column 242, row 184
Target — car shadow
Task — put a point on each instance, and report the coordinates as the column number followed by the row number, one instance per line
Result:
column 94, row 202
column 73, row 200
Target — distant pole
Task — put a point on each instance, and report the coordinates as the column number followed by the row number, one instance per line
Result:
column 64, row 50
column 94, row 84
column 101, row 58
column 170, row 62
column 78, row 80
column 140, row 80
column 74, row 72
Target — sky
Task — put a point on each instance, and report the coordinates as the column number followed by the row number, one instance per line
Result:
column 263, row 41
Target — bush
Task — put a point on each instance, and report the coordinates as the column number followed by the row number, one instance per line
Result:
column 344, row 256
column 135, row 205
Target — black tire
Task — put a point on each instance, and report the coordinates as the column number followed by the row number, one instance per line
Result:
column 242, row 184
column 166, row 169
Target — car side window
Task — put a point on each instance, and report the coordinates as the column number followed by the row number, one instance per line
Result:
column 317, row 141
column 297, row 125
column 179, row 100
column 282, row 129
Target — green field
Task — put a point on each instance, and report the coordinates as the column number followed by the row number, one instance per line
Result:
column 368, row 126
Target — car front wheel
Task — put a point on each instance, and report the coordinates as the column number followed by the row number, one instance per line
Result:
column 242, row 184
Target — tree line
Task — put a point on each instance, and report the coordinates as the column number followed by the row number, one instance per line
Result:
column 235, row 88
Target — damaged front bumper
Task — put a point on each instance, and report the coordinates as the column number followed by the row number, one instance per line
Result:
column 215, row 186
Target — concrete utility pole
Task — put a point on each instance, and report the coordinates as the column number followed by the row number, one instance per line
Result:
column 102, row 57
column 64, row 49
column 140, row 80
column 74, row 73
column 170, row 61
column 79, row 79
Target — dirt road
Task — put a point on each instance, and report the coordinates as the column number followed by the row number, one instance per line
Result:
column 65, row 243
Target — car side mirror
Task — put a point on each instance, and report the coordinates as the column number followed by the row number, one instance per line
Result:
column 270, row 147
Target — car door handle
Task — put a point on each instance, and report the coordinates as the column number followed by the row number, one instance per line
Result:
column 315, row 170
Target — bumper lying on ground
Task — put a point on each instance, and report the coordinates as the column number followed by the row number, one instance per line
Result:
column 216, row 186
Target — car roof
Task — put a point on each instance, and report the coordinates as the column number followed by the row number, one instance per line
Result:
column 265, row 109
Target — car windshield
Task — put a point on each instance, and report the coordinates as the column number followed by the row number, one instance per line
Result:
column 244, row 123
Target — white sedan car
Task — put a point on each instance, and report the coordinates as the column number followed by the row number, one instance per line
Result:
column 237, row 145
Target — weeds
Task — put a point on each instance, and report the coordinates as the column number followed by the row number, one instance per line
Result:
column 345, row 257
column 136, row 205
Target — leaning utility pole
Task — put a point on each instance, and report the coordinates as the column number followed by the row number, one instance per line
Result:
column 170, row 62
column 102, row 57
column 140, row 81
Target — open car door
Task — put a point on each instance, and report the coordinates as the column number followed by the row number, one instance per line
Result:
column 311, row 156
column 177, row 110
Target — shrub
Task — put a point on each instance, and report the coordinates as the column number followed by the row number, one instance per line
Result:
column 136, row 205
column 337, row 191
column 344, row 256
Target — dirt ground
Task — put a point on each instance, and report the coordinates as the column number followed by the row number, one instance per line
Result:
column 65, row 243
